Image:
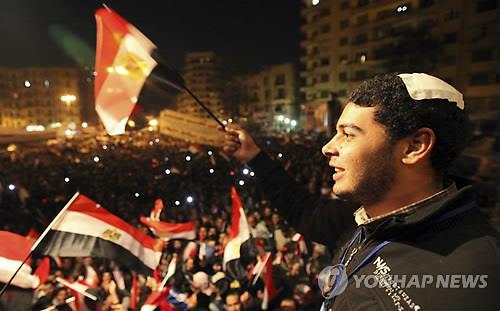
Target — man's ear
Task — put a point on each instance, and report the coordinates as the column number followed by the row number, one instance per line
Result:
column 419, row 146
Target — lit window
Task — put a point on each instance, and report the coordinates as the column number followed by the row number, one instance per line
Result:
column 27, row 83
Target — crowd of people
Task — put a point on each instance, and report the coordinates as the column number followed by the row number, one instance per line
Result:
column 194, row 183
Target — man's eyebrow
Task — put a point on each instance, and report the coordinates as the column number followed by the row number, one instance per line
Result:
column 350, row 125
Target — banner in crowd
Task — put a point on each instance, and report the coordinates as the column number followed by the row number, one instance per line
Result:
column 168, row 231
column 196, row 130
column 87, row 229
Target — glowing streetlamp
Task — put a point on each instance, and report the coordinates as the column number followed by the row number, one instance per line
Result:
column 68, row 99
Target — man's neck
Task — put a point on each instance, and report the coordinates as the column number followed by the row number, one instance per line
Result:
column 403, row 196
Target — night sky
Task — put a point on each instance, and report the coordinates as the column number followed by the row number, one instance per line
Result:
column 250, row 33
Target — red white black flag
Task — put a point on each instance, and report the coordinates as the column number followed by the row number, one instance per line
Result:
column 125, row 60
column 87, row 229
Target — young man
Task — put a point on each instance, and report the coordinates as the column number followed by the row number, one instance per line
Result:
column 415, row 237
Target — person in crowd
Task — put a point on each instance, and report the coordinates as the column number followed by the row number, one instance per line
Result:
column 233, row 302
column 399, row 212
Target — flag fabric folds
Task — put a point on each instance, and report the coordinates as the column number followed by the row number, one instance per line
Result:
column 13, row 250
column 87, row 229
column 127, row 71
column 123, row 62
column 238, row 236
column 168, row 231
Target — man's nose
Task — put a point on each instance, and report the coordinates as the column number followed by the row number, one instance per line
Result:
column 330, row 149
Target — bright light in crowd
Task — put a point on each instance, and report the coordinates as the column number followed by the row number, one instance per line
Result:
column 66, row 179
column 293, row 123
column 136, row 194
column 287, row 120
column 131, row 123
column 224, row 122
column 280, row 155
column 177, row 203
column 151, row 143
column 189, row 199
column 230, row 120
column 314, row 2
column 210, row 152
column 241, row 182
column 85, row 125
column 281, row 118
column 12, row 187
column 402, row 8
column 246, row 171
column 96, row 159
column 153, row 122
column 211, row 171
column 157, row 140
column 27, row 83
column 104, row 147
column 167, row 171
column 188, row 158
column 252, row 174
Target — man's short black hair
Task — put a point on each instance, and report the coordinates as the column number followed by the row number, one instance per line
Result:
column 401, row 116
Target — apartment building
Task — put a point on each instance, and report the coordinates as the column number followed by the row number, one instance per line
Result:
column 32, row 97
column 201, row 76
column 347, row 42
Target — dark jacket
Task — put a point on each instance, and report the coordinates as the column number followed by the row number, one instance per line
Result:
column 449, row 243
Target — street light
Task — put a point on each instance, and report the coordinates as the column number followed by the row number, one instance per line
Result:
column 68, row 99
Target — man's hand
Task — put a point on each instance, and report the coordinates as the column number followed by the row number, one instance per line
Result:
column 239, row 144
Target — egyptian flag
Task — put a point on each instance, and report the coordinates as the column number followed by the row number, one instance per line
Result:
column 125, row 61
column 87, row 229
column 169, row 231
column 238, row 237
column 13, row 250
column 269, row 288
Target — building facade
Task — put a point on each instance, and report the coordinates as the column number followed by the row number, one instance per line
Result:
column 268, row 97
column 201, row 76
column 43, row 96
column 349, row 41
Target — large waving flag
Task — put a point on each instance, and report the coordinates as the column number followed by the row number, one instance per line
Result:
column 123, row 63
column 86, row 229
column 13, row 250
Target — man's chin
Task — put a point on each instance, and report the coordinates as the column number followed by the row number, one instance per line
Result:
column 343, row 194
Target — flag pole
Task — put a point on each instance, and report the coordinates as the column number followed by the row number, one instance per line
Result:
column 210, row 113
column 59, row 215
column 54, row 221
column 164, row 64
column 198, row 101
column 75, row 288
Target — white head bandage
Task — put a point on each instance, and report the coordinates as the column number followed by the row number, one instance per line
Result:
column 423, row 86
